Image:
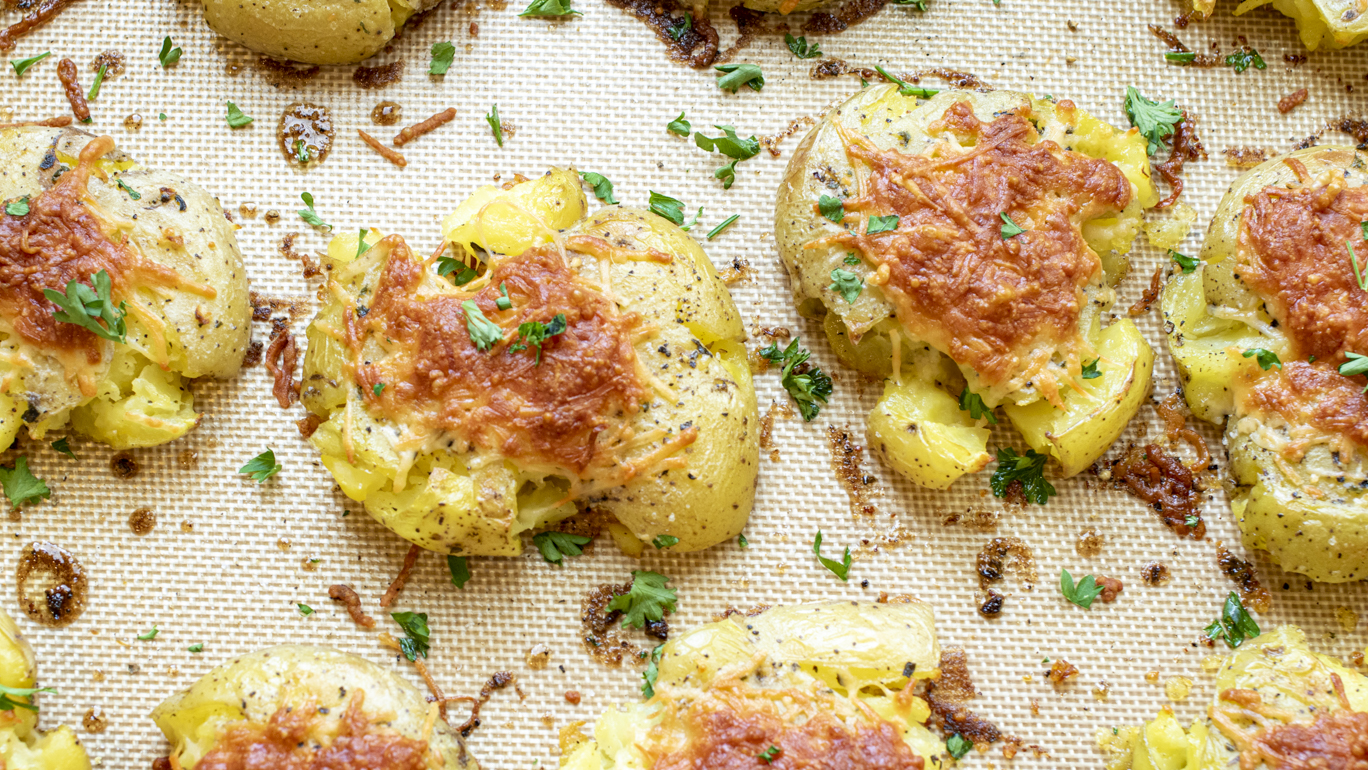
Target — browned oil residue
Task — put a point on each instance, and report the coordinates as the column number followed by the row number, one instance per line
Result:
column 499, row 681
column 305, row 131
column 849, row 13
column 247, row 210
column 538, row 657
column 142, row 521
column 847, row 460
column 51, row 584
column 95, row 720
column 1002, row 556
column 282, row 74
column 111, row 60
column 379, row 77
column 1242, row 574
column 187, row 527
column 1062, row 672
column 771, row 143
column 1155, row 574
column 979, row 520
column 1244, row 157
column 133, row 122
column 688, row 40
column 387, row 113
column 188, row 459
column 123, row 465
column 1089, row 543
column 598, row 626
column 948, row 695
column 1165, row 484
column 272, row 216
column 767, row 429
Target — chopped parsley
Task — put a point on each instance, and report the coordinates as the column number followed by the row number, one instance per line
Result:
column 237, row 118
column 308, row 214
column 1244, row 58
column 1353, row 259
column 603, row 188
column 882, row 224
column 742, row 542
column 905, row 88
column 7, row 694
column 86, row 307
column 19, row 208
column 1267, row 359
column 957, row 746
column 840, row 569
column 800, row 48
column 301, row 152
column 647, row 599
column 21, row 65
column 732, row 146
column 661, row 542
column 168, row 55
column 361, row 246
column 555, row 546
column 1155, row 120
column 1010, row 229
column 847, row 284
column 1235, row 625
column 768, row 755
column 550, row 8
column 197, row 647
column 716, row 231
column 1191, row 520
column 304, row 609
column 533, row 334
column 1090, row 371
column 378, row 388
column 851, row 259
column 652, row 673
column 682, row 27
column 503, row 302
column 679, row 126
column 1355, row 365
column 262, row 467
column 1180, row 57
column 99, row 80
column 1083, row 594
column 492, row 118
column 416, row 633
column 132, row 194
column 805, row 384
column 149, row 635
column 443, row 54
column 460, row 571
column 736, row 75
column 1185, row 263
column 22, row 487
column 61, row 445
column 464, row 273
column 972, row 403
column 832, row 208
column 672, row 209
column 483, row 332
column 1029, row 469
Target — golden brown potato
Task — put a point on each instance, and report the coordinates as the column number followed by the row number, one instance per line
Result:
column 965, row 293
column 1261, row 330
column 22, row 745
column 1329, row 23
column 459, row 431
column 172, row 260
column 306, row 706
column 316, row 32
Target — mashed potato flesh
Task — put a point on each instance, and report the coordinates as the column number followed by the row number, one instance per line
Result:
column 1002, row 306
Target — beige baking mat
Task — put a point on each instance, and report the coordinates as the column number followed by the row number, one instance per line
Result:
column 229, row 560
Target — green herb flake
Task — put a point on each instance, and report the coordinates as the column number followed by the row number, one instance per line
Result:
column 716, row 231
column 847, row 284
column 905, row 88
column 7, row 695
column 882, row 224
column 661, row 542
column 806, row 384
column 1267, row 359
column 1355, row 364
column 742, row 542
column 492, row 118
column 261, row 467
column 1185, row 263
column 603, row 189
column 149, row 635
column 63, row 447
column 22, row 65
column 1191, row 521
column 799, row 47
column 1010, row 229
column 1155, row 120
column 555, row 546
column 727, row 174
column 831, row 208
column 168, row 55
column 679, row 126
column 416, row 634
column 1029, row 469
column 22, row 487
column 840, row 569
column 464, row 273
column 459, row 569
column 647, row 599
column 132, row 194
column 729, row 143
column 99, row 80
column 533, row 334
column 378, row 388
column 161, row 116
column 768, row 755
column 1244, row 58
column 503, row 302
column 443, row 54
column 197, row 647
column 918, row 5
column 957, row 746
column 736, row 75
column 1090, row 371
column 18, row 208
column 1235, row 624
column 681, row 27
column 973, row 404
column 851, row 259
column 550, row 9
column 90, row 308
column 237, row 118
column 1353, row 259
column 308, row 214
column 665, row 206
column 483, row 332
column 1083, row 594
column 1180, row 57
column 652, row 673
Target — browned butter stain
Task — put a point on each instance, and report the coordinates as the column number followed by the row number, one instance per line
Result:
column 142, row 521
column 386, row 113
column 51, row 584
column 123, row 465
column 95, row 720
column 305, row 130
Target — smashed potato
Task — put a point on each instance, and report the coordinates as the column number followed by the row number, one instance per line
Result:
column 815, row 685
column 578, row 363
column 1331, row 23
column 22, row 745
column 306, row 706
column 1261, row 330
column 965, row 293
column 316, row 32
column 171, row 261
column 1277, row 705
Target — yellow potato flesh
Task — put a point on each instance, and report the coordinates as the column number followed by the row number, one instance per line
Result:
column 511, row 221
column 920, row 431
column 22, row 745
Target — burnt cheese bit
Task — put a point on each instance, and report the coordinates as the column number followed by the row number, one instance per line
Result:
column 1314, row 394
column 990, row 302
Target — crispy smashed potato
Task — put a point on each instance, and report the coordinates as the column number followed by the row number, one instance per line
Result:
column 22, row 745
column 1329, row 23
column 306, row 706
column 1259, row 331
column 1277, row 705
column 579, row 362
column 173, row 261
column 826, row 685
column 317, row 32
column 927, row 271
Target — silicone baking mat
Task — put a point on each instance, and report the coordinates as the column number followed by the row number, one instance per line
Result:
column 229, row 560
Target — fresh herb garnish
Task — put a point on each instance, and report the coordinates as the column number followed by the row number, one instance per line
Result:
column 149, row 635
column 1029, row 469
column 19, row 208
column 729, row 143
column 554, row 546
column 1010, row 229
column 713, row 233
column 800, row 48
column 847, row 284
column 7, row 695
column 603, row 189
column 1090, row 371
column 532, row 334
column 308, row 214
column 237, row 118
column 443, row 54
column 1356, row 364
column 882, row 224
column 832, row 208
column 742, row 542
column 647, row 599
column 1244, row 58
column 99, row 80
column 661, row 542
column 61, row 445
column 85, row 307
column 22, row 487
column 304, row 609
column 972, row 403
column 1191, row 521
column 768, row 755
column 736, row 75
column 1180, row 57
column 957, row 746
column 464, row 273
column 492, row 118
column 840, row 569
column 262, row 467
column 679, row 126
column 805, row 384
column 416, row 633
column 1155, row 120
column 503, row 302
column 550, row 8
column 681, row 27
column 1083, row 594
column 483, row 332
column 301, row 152
column 1353, row 259
column 378, row 388
column 460, row 571
column 1267, row 359
column 1235, row 625
column 197, row 647
column 672, row 209
column 905, row 88
column 168, row 55
column 652, row 673
column 1185, row 263
column 851, row 259
column 21, row 65
column 132, row 194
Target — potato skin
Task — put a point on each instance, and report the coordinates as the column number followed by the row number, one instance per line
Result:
column 206, row 337
column 317, row 32
column 944, row 446
column 254, row 686
column 22, row 745
column 1325, row 535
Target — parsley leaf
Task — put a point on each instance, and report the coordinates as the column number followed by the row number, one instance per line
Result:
column 919, row 5
column 21, row 65
column 483, row 332
column 448, row 265
column 661, row 542
column 1235, row 625
column 882, row 224
column 168, row 55
column 736, row 75
column 1180, row 57
column 831, row 208
column 768, row 755
column 1029, row 469
column 648, row 599
column 603, row 189
column 1010, row 229
column 840, row 569
column 800, row 48
column 727, row 174
column 554, row 546
column 197, row 647
column 237, row 118
column 492, row 118
column 61, row 445
column 851, row 259
column 132, row 194
column 19, row 208
column 550, row 8
column 1267, row 359
column 905, row 88
column 742, row 542
column 6, row 693
column 262, row 467
column 682, row 27
column 535, row 333
column 416, row 633
column 847, row 284
column 304, row 609
column 973, row 404
column 1356, row 364
column 652, row 673
column 1187, row 264
column 805, row 384
column 1083, row 594
column 729, row 143
column 503, row 302
column 957, row 746
column 148, row 636
column 443, row 54
column 21, row 487
column 309, row 215
column 665, row 206
column 1243, row 58
column 679, row 126
column 99, row 80
column 302, row 152
column 713, row 233
column 1090, row 371
column 1353, row 259
column 84, row 306
column 1155, row 120
column 460, row 571
column 378, row 388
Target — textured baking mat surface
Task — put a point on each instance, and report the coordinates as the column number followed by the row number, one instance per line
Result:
column 229, row 560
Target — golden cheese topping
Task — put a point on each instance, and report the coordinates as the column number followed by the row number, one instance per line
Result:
column 563, row 406
column 1335, row 739
column 1311, row 394
column 1002, row 306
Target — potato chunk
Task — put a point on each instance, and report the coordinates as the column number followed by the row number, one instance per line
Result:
column 22, row 745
